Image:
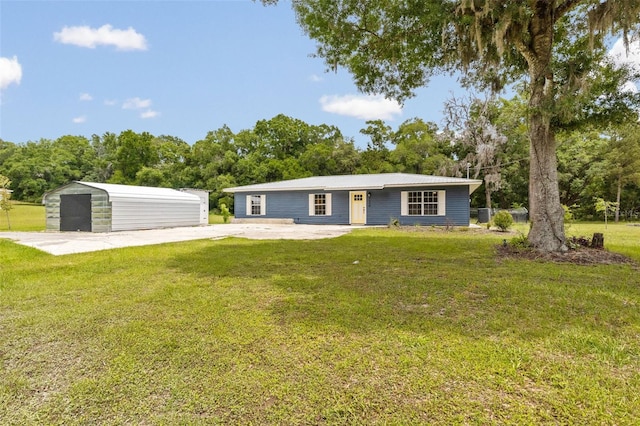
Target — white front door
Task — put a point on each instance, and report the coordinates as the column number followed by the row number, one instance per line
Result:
column 358, row 212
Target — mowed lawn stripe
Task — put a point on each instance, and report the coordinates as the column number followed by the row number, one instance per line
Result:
column 377, row 327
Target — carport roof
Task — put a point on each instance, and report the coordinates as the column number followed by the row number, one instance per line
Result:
column 359, row 182
column 138, row 192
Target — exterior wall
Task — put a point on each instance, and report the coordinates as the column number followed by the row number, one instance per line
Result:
column 295, row 205
column 382, row 206
column 132, row 214
column 457, row 208
column 204, row 203
column 100, row 207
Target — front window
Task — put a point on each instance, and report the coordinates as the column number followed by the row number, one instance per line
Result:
column 255, row 205
column 320, row 204
column 422, row 203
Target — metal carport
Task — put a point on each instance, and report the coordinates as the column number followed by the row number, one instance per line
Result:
column 103, row 207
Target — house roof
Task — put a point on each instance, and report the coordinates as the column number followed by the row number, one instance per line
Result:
column 358, row 182
column 137, row 192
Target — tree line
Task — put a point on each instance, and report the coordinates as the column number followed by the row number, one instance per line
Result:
column 480, row 138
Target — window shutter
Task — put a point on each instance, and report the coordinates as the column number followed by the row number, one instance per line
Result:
column 404, row 203
column 263, row 205
column 442, row 203
column 312, row 204
column 328, row 201
column 248, row 205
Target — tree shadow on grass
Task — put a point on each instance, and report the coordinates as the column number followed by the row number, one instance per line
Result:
column 363, row 283
column 350, row 282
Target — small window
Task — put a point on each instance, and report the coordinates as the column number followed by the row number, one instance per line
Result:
column 256, row 205
column 430, row 204
column 415, row 203
column 320, row 204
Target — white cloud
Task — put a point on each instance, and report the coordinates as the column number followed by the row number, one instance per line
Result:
column 136, row 103
column 631, row 57
column 620, row 55
column 10, row 72
column 629, row 87
column 106, row 35
column 80, row 120
column 141, row 104
column 149, row 114
column 315, row 78
column 366, row 107
column 110, row 102
column 86, row 97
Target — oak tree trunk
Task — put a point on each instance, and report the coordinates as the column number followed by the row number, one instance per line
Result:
column 487, row 195
column 546, row 213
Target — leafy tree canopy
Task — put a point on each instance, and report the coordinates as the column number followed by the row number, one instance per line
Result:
column 394, row 47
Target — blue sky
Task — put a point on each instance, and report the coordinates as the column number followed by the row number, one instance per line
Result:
column 179, row 68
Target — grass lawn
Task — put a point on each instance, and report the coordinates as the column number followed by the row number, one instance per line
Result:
column 622, row 237
column 31, row 217
column 217, row 219
column 377, row 327
column 23, row 217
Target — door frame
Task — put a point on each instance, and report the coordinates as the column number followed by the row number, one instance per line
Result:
column 351, row 205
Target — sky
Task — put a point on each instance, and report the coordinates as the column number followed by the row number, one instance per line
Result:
column 178, row 68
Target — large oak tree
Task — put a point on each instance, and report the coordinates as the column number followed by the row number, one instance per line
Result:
column 394, row 46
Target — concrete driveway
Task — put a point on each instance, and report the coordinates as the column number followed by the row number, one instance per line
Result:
column 59, row 243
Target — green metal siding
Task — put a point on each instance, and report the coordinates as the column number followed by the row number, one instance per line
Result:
column 100, row 207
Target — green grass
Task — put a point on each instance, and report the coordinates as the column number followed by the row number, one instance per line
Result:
column 623, row 237
column 427, row 327
column 23, row 217
column 217, row 219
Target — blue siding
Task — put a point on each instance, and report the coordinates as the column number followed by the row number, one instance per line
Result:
column 382, row 206
column 457, row 209
column 385, row 205
column 295, row 205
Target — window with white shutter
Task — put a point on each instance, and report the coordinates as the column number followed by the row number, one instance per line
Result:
column 256, row 205
column 320, row 204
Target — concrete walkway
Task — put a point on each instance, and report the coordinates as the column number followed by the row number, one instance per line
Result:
column 59, row 243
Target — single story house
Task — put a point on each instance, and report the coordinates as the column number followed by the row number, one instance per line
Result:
column 104, row 207
column 368, row 199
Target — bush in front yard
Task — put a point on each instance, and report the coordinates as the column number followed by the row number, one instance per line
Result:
column 503, row 220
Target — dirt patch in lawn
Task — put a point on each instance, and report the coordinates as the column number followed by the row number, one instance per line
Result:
column 578, row 256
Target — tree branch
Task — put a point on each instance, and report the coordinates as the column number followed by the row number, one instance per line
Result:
column 565, row 7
